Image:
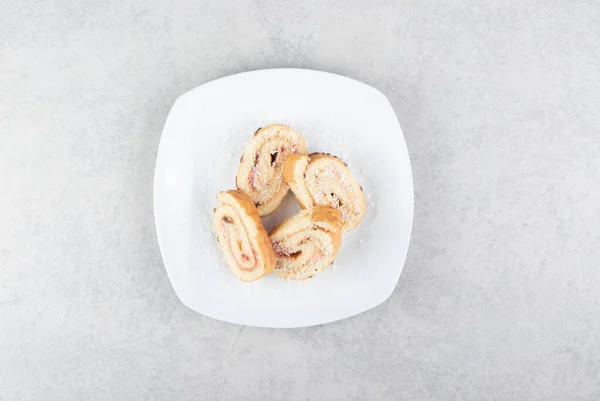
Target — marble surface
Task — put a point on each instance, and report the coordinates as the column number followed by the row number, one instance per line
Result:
column 500, row 295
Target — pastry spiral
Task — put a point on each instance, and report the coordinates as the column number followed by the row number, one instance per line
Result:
column 307, row 242
column 322, row 179
column 260, row 174
column 242, row 236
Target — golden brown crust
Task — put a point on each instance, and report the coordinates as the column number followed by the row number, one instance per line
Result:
column 327, row 218
column 325, row 179
column 293, row 174
column 260, row 174
column 242, row 236
column 307, row 242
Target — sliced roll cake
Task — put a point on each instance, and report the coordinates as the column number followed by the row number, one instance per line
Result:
column 322, row 179
column 307, row 242
column 242, row 236
column 260, row 174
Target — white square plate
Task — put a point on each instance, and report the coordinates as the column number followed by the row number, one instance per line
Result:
column 205, row 134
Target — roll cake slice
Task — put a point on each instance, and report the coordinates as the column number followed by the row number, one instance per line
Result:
column 260, row 174
column 322, row 179
column 242, row 236
column 307, row 242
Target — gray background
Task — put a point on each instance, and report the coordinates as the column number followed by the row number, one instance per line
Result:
column 500, row 295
